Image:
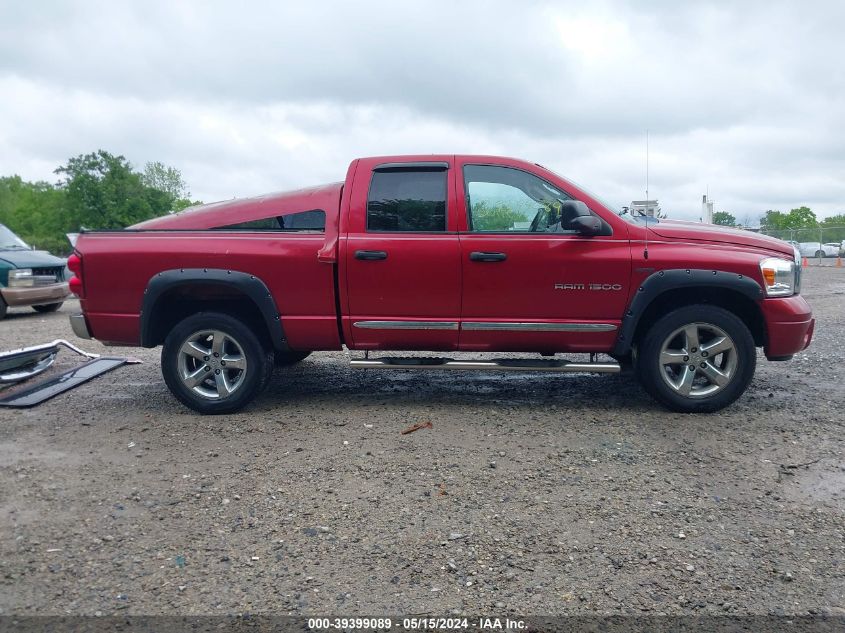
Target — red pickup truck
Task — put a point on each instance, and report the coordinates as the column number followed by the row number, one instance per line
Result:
column 443, row 254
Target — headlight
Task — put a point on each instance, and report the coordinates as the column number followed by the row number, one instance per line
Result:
column 778, row 277
column 21, row 278
column 798, row 265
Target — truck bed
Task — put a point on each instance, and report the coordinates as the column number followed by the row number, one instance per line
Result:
column 298, row 267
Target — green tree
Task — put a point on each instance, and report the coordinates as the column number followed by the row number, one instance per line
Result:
column 773, row 220
column 168, row 179
column 833, row 228
column 103, row 192
column 498, row 218
column 724, row 218
column 35, row 211
column 97, row 190
column 799, row 218
column 834, row 220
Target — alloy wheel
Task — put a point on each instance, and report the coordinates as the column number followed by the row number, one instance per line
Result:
column 698, row 360
column 212, row 364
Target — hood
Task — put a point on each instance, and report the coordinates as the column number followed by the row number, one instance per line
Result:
column 678, row 230
column 30, row 259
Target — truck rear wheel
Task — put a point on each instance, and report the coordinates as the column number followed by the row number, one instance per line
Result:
column 697, row 358
column 214, row 363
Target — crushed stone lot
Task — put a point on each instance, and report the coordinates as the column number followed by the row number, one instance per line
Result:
column 529, row 494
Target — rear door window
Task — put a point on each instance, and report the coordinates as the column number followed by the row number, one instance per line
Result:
column 405, row 200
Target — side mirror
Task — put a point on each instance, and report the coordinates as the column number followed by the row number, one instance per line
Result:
column 576, row 216
column 585, row 225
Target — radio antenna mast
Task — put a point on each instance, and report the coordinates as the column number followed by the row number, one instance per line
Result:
column 645, row 252
column 646, row 164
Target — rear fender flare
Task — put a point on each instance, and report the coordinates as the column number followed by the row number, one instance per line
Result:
column 245, row 283
column 664, row 280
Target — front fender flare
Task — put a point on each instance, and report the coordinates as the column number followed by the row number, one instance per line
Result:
column 248, row 284
column 664, row 280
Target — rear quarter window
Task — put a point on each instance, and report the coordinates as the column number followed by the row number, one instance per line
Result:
column 312, row 220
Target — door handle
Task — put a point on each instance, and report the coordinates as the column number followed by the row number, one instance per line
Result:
column 370, row 255
column 478, row 256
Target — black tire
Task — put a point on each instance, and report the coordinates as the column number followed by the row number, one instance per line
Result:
column 48, row 307
column 3, row 309
column 238, row 338
column 820, row 254
column 291, row 357
column 736, row 366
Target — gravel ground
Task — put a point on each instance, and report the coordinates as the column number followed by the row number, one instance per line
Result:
column 530, row 494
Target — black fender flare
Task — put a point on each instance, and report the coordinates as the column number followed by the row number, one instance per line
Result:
column 248, row 284
column 664, row 280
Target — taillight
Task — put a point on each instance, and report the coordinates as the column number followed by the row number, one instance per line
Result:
column 74, row 263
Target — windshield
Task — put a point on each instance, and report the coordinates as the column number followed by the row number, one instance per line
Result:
column 9, row 240
column 622, row 212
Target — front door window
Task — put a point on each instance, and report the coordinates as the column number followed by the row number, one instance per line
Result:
column 506, row 200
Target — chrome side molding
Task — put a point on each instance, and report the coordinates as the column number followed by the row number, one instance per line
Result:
column 504, row 364
column 536, row 327
column 504, row 326
column 406, row 325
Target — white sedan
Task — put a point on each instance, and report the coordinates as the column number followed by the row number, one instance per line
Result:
column 817, row 249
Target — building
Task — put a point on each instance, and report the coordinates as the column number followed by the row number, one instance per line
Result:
column 706, row 209
column 649, row 208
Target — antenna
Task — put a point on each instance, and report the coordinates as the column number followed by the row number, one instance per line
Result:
column 645, row 251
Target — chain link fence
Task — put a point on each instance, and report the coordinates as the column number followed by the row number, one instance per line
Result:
column 822, row 245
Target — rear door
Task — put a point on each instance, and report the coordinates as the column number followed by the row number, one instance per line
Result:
column 402, row 257
column 530, row 283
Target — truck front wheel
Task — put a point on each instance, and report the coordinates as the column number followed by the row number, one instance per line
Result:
column 214, row 363
column 697, row 358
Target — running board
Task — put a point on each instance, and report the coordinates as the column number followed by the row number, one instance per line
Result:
column 504, row 364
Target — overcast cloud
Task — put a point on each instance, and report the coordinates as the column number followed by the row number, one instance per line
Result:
column 745, row 98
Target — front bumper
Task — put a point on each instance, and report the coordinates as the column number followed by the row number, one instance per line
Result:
column 35, row 296
column 79, row 325
column 789, row 326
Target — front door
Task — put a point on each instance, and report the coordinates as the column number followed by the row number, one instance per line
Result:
column 530, row 284
column 402, row 259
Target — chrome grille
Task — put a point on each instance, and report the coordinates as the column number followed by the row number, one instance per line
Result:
column 47, row 276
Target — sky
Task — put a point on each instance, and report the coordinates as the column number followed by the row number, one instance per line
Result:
column 744, row 100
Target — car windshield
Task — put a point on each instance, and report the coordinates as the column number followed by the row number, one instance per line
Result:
column 622, row 212
column 9, row 240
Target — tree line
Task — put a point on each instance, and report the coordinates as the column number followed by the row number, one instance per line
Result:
column 795, row 219
column 94, row 191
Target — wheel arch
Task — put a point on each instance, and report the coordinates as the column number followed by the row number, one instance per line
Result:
column 665, row 290
column 171, row 295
